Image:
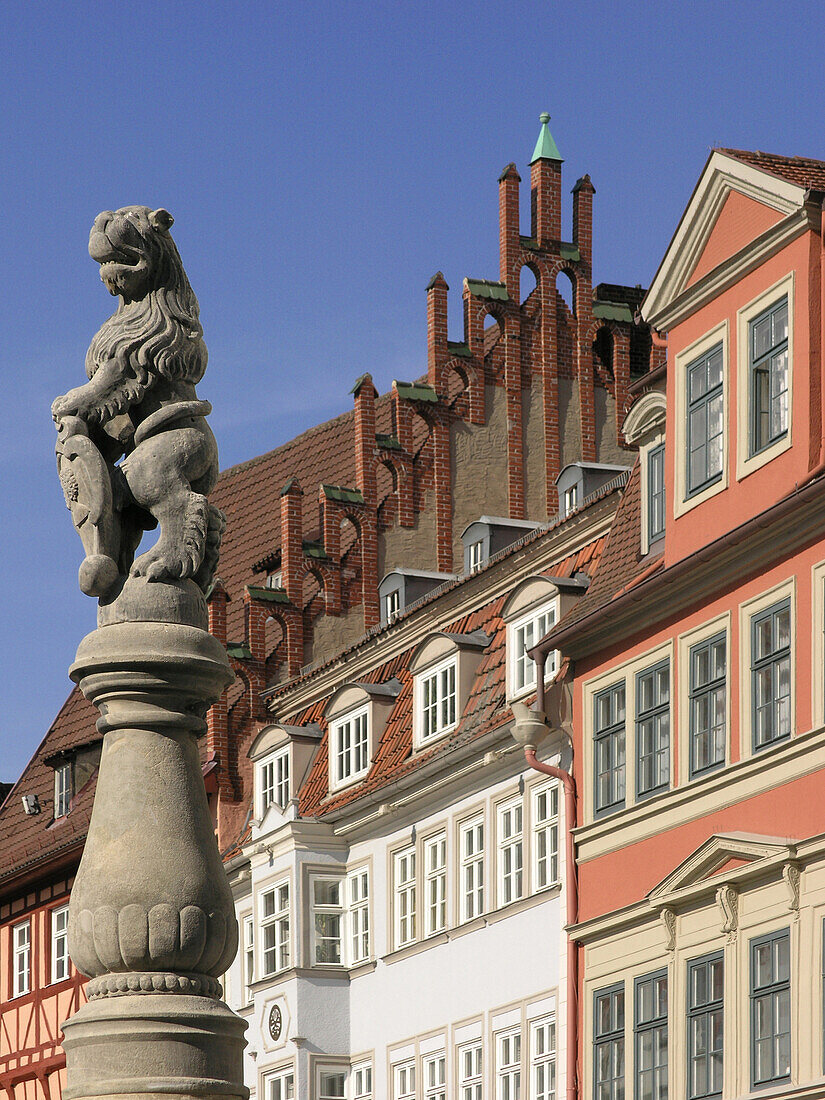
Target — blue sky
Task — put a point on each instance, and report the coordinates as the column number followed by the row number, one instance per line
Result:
column 322, row 160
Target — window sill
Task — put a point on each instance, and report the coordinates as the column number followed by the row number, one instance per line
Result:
column 755, row 462
column 365, row 967
column 521, row 904
column 415, row 948
column 811, row 1091
column 468, row 926
column 739, row 780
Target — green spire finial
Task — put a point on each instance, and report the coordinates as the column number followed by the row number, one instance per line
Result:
column 546, row 148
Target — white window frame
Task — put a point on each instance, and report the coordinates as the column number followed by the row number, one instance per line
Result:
column 508, row 1073
column 62, row 788
column 543, row 1062
column 538, row 620
column 404, row 896
column 392, row 604
column 282, row 1077
column 274, row 580
column 59, row 932
column 247, row 956
column 433, row 675
column 684, row 502
column 470, row 1057
column 745, row 462
column 471, row 869
column 571, row 498
column 510, row 851
column 279, row 920
column 358, row 915
column 545, row 830
column 21, row 938
column 475, row 555
column 361, row 1077
column 273, row 781
column 403, row 1080
column 326, row 909
column 348, row 765
column 785, row 590
column 434, row 1074
column 332, row 1069
column 435, row 884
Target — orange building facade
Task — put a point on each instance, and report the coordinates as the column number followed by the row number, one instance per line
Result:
column 699, row 702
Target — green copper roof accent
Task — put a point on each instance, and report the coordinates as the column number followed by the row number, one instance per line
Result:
column 569, row 251
column 268, row 595
column 545, row 146
column 359, row 382
column 484, row 288
column 437, row 278
column 612, row 311
column 388, row 442
column 239, row 650
column 415, row 391
column 346, row 496
column 530, row 243
column 313, row 549
column 291, row 484
column 460, row 349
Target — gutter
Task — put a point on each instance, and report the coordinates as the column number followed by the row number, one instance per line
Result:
column 528, row 729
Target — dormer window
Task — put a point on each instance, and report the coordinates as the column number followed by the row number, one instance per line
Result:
column 475, row 556
column 644, row 427
column 443, row 668
column 523, row 634
column 275, row 580
column 571, row 499
column 62, row 789
column 486, row 536
column 356, row 715
column 392, row 604
column 531, row 611
column 437, row 700
column 280, row 753
column 350, row 743
column 274, row 780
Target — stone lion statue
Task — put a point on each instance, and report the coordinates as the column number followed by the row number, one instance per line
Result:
column 134, row 449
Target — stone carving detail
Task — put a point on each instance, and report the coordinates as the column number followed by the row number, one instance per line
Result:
column 793, row 880
column 140, row 406
column 727, row 898
column 669, row 921
column 151, row 916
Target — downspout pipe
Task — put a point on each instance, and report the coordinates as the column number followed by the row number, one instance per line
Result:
column 530, row 727
column 820, row 465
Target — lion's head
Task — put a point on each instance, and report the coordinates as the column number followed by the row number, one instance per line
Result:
column 156, row 327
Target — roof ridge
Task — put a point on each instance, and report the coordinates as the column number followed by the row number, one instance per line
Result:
column 795, row 159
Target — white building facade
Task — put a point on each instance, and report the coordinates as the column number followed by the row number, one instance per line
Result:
column 401, row 888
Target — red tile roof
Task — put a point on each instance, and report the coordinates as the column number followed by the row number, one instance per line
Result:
column 621, row 562
column 485, row 709
column 25, row 839
column 799, row 170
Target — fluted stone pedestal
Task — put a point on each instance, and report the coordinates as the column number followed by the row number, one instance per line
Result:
column 151, row 919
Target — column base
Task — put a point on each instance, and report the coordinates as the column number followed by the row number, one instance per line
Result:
column 170, row 1045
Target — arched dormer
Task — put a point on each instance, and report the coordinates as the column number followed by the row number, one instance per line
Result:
column 281, row 756
column 443, row 668
column 644, row 427
column 530, row 611
column 357, row 716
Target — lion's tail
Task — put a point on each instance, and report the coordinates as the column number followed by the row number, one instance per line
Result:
column 215, row 525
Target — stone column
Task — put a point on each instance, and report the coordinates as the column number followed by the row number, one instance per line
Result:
column 151, row 918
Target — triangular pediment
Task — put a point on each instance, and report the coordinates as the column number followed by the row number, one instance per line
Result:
column 720, row 856
column 740, row 220
column 734, row 206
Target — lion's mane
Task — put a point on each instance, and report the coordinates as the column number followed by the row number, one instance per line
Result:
column 159, row 334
